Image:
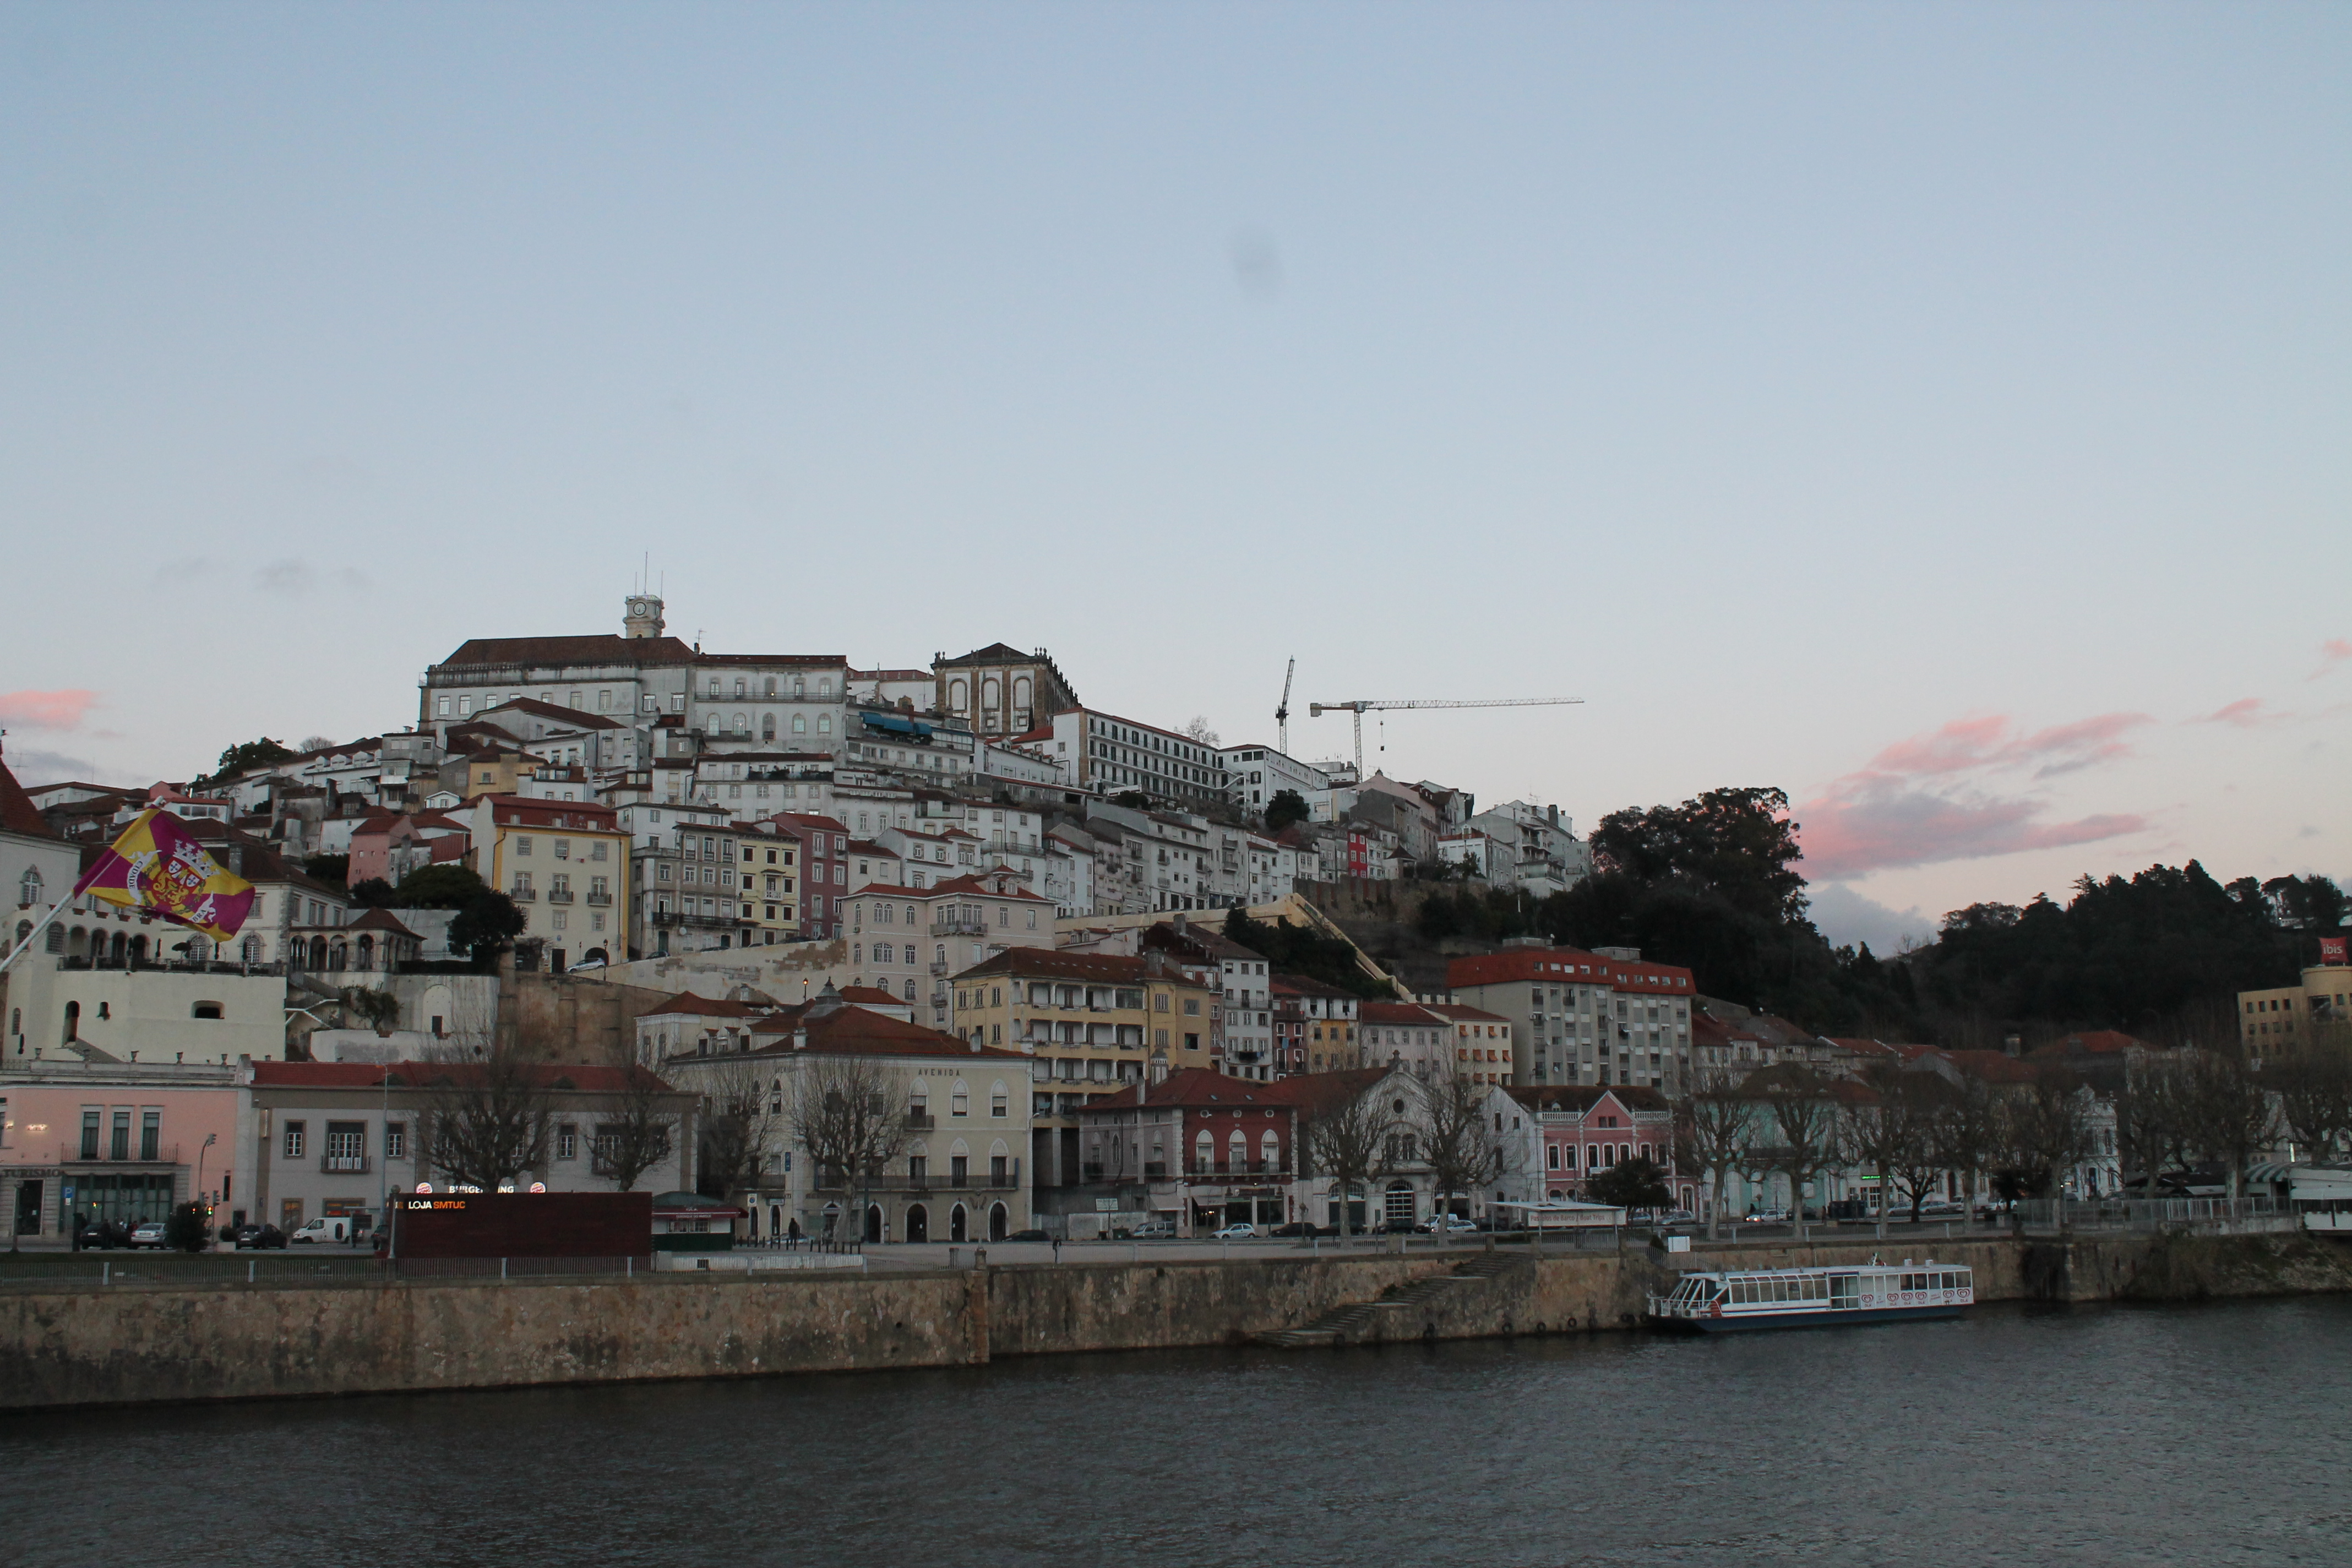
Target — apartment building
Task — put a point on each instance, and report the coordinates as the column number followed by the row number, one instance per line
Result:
column 1106, row 754
column 566, row 865
column 907, row 941
column 1580, row 1017
column 1092, row 1023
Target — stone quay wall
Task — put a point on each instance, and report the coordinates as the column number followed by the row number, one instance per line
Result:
column 142, row 1343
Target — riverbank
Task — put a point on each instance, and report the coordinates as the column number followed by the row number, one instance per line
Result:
column 143, row 1343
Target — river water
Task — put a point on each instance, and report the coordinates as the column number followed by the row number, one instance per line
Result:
column 2029, row 1436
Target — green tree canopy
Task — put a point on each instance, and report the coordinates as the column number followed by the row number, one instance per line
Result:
column 246, row 756
column 1286, row 807
column 484, row 927
column 1635, row 1183
column 443, row 886
column 1737, row 843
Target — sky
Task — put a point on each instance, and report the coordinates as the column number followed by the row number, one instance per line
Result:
column 1936, row 412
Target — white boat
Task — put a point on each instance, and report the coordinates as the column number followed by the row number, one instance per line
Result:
column 1734, row 1301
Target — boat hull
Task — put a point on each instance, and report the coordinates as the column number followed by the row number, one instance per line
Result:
column 1755, row 1323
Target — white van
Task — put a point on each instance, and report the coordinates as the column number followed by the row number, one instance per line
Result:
column 334, row 1227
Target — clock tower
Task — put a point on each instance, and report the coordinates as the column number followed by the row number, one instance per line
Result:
column 645, row 617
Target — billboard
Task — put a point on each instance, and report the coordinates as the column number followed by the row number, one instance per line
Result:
column 521, row 1225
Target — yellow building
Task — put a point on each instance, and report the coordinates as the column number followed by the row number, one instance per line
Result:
column 2289, row 1015
column 1093, row 1024
column 566, row 865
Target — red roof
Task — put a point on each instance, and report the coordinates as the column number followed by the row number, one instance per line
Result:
column 1562, row 965
column 580, row 1076
column 1306, row 1092
column 17, row 812
column 866, row 995
column 705, row 1007
column 600, row 648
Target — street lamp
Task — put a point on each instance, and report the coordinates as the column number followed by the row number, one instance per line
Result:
column 210, row 1139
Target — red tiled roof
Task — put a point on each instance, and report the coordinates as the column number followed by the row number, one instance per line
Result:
column 705, row 1007
column 864, row 996
column 1581, row 1098
column 17, row 812
column 602, row 648
column 1560, row 966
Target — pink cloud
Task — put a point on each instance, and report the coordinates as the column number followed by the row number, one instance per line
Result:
column 2246, row 713
column 1884, row 826
column 46, row 710
column 2332, row 652
column 1916, row 803
column 1966, row 745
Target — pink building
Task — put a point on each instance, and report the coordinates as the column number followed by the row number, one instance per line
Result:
column 1587, row 1129
column 114, row 1140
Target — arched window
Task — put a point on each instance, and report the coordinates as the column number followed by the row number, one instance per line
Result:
column 1552, row 1152
column 958, row 1100
column 825, row 685
column 1204, row 1151
column 999, row 1223
column 742, row 724
column 800, row 723
column 1021, row 694
column 367, row 953
column 959, row 697
column 28, row 887
column 824, row 723
column 767, row 726
column 910, row 990
column 910, row 921
column 741, row 688
column 1237, row 1150
column 1269, row 1150
column 73, row 1026
column 207, row 1010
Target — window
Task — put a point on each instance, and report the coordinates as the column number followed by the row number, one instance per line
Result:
column 522, row 844
column 118, row 1143
column 89, row 1119
column 396, row 1137
column 151, row 1134
column 996, row 1100
column 293, row 1140
column 567, row 1143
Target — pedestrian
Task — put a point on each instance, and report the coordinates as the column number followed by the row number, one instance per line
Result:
column 1057, row 1250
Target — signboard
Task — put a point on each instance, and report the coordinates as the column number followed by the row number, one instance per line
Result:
column 1106, row 1206
column 2331, row 949
column 523, row 1225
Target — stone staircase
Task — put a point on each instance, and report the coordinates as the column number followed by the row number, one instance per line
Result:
column 1361, row 1321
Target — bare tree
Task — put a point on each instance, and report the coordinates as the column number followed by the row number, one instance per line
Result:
column 1798, row 1135
column 1348, row 1143
column 2044, row 1133
column 733, row 1134
column 1884, row 1132
column 637, row 1130
column 850, row 1114
column 2315, row 1097
column 1968, row 1130
column 2228, row 1110
column 1712, row 1125
column 1461, row 1143
column 487, row 1119
column 2152, row 1126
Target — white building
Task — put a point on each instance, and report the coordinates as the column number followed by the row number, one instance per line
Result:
column 1256, row 773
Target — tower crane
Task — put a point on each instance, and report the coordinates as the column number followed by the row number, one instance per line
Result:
column 1282, row 714
column 1362, row 705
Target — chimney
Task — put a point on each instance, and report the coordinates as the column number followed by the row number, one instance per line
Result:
column 1179, row 923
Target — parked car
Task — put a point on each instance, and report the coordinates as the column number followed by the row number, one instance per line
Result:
column 1240, row 1230
column 1155, row 1229
column 257, row 1237
column 1395, row 1227
column 328, row 1227
column 1766, row 1217
column 1677, row 1216
column 105, row 1235
column 148, row 1233
column 1296, row 1227
column 1940, row 1207
column 1029, row 1236
column 1451, row 1224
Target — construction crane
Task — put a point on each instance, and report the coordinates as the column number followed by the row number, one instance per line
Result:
column 1282, row 714
column 1361, row 706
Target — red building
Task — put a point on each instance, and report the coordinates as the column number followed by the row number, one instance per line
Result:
column 824, row 869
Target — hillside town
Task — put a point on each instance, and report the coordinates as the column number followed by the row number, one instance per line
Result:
column 1091, row 970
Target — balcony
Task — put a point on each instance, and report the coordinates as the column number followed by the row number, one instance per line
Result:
column 523, row 895
column 343, row 1164
column 920, row 1120
column 930, row 1182
column 663, row 918
column 960, row 925
column 559, row 895
column 165, row 1154
column 939, row 969
column 600, row 900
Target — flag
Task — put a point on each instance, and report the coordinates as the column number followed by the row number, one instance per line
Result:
column 156, row 869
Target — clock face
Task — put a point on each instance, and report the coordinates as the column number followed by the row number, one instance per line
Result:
column 636, row 606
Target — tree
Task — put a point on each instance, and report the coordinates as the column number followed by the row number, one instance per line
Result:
column 244, row 757
column 445, row 885
column 185, row 1231
column 1635, row 1183
column 487, row 1119
column 1891, row 1132
column 1199, row 731
column 732, row 1147
column 1711, row 1127
column 1462, row 1142
column 1797, row 1137
column 2151, row 1126
column 2227, row 1111
column 1133, row 799
column 2044, row 1133
column 850, row 1114
column 1348, row 1142
column 2315, row 1094
column 1968, row 1130
column 373, row 893
column 484, row 927
column 1739, row 843
column 333, row 868
column 636, row 1131
column 315, row 743
column 1283, row 807
column 379, row 1010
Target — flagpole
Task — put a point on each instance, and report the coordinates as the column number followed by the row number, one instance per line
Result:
column 26, row 946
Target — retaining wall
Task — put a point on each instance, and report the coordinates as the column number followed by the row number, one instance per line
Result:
column 80, row 1346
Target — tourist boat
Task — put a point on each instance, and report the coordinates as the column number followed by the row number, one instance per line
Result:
column 1727, row 1301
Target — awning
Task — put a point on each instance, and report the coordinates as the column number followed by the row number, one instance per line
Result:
column 2268, row 1173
